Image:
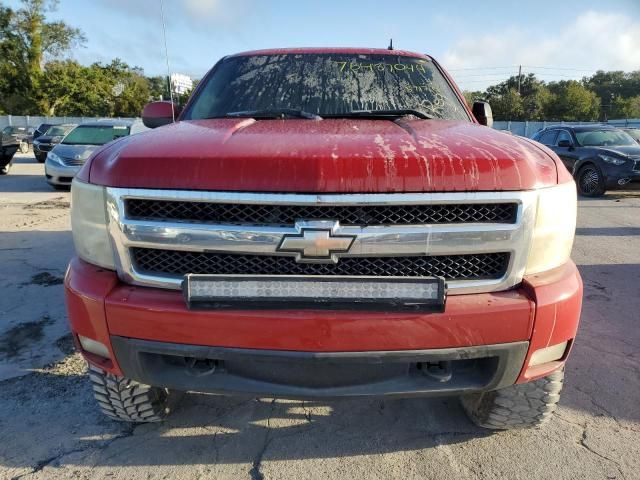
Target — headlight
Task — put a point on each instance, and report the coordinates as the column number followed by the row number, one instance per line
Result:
column 612, row 160
column 554, row 229
column 52, row 157
column 89, row 224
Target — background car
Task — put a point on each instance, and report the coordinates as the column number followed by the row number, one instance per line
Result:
column 67, row 157
column 23, row 135
column 600, row 157
column 42, row 129
column 8, row 149
column 634, row 132
column 54, row 135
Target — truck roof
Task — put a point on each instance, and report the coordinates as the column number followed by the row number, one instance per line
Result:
column 316, row 50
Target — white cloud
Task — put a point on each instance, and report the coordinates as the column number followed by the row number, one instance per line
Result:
column 593, row 41
column 220, row 12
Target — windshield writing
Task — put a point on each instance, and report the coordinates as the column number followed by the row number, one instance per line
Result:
column 326, row 85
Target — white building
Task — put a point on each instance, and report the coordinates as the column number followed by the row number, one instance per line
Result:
column 181, row 83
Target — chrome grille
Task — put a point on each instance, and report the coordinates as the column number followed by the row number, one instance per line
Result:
column 72, row 162
column 257, row 214
column 478, row 241
column 451, row 267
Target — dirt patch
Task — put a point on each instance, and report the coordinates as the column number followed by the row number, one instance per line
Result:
column 45, row 279
column 49, row 204
column 22, row 337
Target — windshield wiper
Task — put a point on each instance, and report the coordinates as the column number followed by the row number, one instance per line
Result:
column 403, row 112
column 275, row 113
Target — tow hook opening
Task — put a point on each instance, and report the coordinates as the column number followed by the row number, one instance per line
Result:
column 440, row 371
column 200, row 367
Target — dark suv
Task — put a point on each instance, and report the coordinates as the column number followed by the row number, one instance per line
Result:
column 599, row 157
column 23, row 135
column 8, row 149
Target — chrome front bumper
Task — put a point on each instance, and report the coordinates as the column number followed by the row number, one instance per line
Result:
column 57, row 174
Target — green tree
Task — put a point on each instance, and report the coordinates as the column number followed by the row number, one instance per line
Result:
column 507, row 105
column 28, row 38
column 472, row 96
column 533, row 94
column 158, row 87
column 626, row 107
column 572, row 101
column 114, row 89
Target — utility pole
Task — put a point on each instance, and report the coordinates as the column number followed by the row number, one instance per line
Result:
column 519, row 76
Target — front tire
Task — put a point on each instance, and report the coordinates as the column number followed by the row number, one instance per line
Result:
column 126, row 400
column 522, row 405
column 590, row 181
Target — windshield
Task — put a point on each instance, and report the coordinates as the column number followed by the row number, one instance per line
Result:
column 326, row 85
column 58, row 131
column 634, row 133
column 95, row 134
column 14, row 130
column 604, row 138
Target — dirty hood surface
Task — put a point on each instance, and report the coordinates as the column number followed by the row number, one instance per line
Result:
column 330, row 155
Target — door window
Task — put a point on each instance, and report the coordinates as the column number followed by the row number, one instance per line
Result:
column 548, row 138
column 564, row 135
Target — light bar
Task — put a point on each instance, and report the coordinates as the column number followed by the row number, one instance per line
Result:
column 284, row 291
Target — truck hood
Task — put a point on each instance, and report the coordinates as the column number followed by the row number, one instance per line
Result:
column 331, row 155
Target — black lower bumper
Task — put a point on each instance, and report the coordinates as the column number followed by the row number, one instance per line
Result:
column 287, row 374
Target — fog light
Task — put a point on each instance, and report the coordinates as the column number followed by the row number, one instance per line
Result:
column 93, row 346
column 548, row 354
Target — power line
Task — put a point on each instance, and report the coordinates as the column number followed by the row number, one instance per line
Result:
column 481, row 68
column 563, row 68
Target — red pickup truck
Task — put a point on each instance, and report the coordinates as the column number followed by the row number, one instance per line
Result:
column 322, row 223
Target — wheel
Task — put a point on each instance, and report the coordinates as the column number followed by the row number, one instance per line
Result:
column 41, row 159
column 24, row 147
column 590, row 181
column 518, row 406
column 126, row 400
column 5, row 169
column 64, row 188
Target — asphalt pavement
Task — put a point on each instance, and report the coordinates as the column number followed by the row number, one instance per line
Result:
column 50, row 428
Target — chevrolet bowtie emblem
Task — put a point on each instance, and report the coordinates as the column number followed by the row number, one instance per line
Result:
column 316, row 244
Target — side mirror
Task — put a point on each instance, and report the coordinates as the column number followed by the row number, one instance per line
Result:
column 565, row 143
column 156, row 114
column 482, row 112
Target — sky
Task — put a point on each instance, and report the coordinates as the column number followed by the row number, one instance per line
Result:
column 479, row 42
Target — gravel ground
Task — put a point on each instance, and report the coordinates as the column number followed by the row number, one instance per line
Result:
column 50, row 429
